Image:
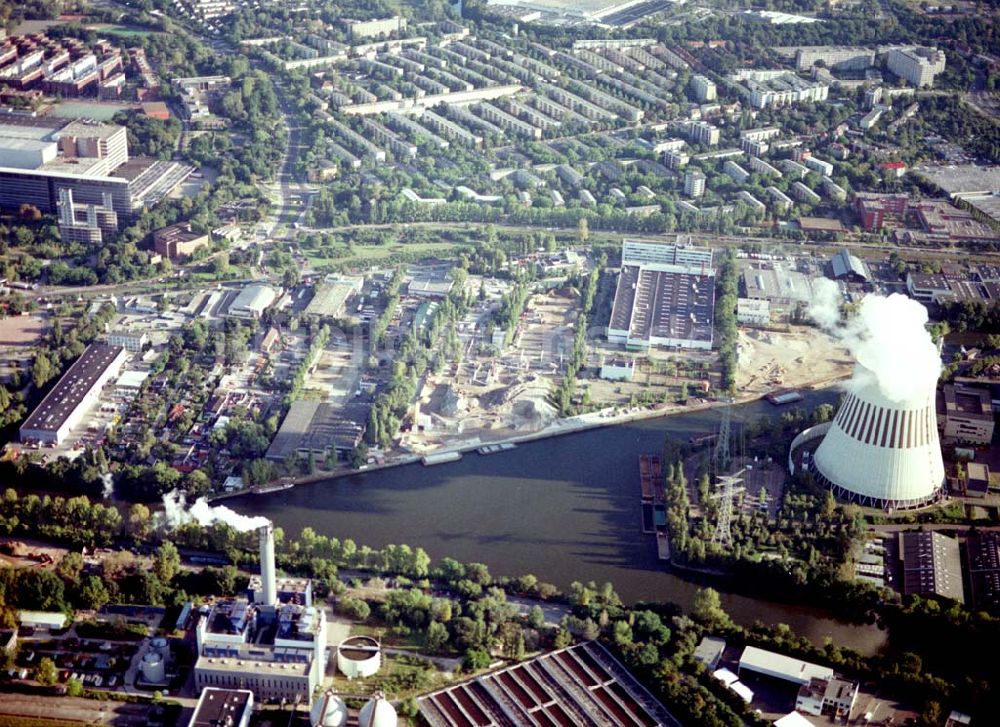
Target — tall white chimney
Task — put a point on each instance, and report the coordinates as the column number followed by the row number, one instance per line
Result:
column 269, row 588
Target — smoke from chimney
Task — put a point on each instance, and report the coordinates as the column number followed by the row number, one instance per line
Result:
column 177, row 513
column 888, row 337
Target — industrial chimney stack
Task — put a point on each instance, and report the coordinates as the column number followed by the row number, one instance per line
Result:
column 269, row 588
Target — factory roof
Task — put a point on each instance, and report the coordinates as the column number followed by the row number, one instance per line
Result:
column 72, row 388
column 961, row 179
column 279, row 662
column 215, row 705
column 330, row 297
column 286, row 587
column 709, row 651
column 430, row 286
column 180, row 232
column 820, row 224
column 317, row 426
column 253, row 299
column 132, row 379
column 90, row 130
column 844, row 264
column 658, row 304
column 931, row 565
column 583, row 684
column 777, row 283
column 793, row 719
column 781, row 666
column 53, row 620
column 983, row 549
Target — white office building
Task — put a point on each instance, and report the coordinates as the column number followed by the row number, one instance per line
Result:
column 917, row 66
column 704, row 88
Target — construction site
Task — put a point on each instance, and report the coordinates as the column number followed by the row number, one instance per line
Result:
column 798, row 356
column 497, row 389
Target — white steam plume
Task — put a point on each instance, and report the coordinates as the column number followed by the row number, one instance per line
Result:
column 177, row 513
column 825, row 305
column 108, row 483
column 888, row 336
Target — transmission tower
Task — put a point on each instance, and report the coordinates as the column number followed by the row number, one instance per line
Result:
column 727, row 491
column 723, row 457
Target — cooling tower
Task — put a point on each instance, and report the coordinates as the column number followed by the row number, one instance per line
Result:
column 882, row 453
column 269, row 588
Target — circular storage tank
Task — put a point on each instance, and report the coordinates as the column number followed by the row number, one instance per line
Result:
column 359, row 657
column 377, row 712
column 159, row 645
column 153, row 668
column 328, row 711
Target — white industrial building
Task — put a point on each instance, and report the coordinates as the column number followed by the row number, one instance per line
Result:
column 753, row 312
column 131, row 341
column 252, row 301
column 73, row 395
column 665, row 297
column 779, row 666
column 276, row 649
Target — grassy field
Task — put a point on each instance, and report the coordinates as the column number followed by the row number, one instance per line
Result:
column 367, row 254
column 125, row 31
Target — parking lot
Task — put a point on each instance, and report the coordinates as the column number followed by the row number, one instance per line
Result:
column 96, row 664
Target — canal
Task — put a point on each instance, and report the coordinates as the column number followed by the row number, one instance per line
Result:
column 565, row 509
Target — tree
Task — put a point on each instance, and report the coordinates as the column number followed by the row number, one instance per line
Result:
column 220, row 266
column 707, row 607
column 355, row 608
column 475, row 660
column 563, row 638
column 582, row 229
column 70, row 566
column 536, row 617
column 46, row 674
column 138, row 522
column 93, row 593
column 42, row 370
column 437, row 636
column 166, row 562
column 74, row 688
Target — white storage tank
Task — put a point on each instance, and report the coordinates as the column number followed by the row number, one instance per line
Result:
column 160, row 646
column 359, row 657
column 377, row 712
column 153, row 668
column 328, row 711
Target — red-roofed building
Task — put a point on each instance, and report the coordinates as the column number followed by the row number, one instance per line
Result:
column 873, row 209
column 156, row 110
column 898, row 168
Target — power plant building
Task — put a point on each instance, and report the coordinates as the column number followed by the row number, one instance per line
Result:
column 878, row 452
column 665, row 297
column 276, row 649
column 78, row 389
